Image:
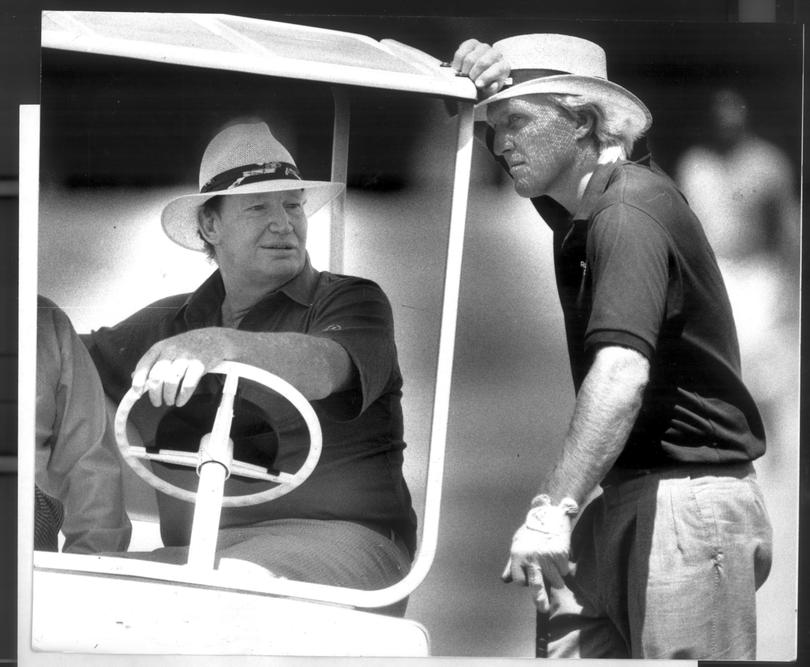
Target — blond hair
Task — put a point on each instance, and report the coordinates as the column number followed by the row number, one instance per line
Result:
column 609, row 126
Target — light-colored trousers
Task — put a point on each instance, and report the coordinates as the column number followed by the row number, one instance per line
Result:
column 336, row 553
column 666, row 566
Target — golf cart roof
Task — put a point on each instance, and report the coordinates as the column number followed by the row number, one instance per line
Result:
column 255, row 46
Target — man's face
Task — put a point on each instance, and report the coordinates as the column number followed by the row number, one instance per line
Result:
column 538, row 142
column 260, row 238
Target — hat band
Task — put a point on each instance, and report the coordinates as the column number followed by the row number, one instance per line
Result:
column 523, row 75
column 251, row 173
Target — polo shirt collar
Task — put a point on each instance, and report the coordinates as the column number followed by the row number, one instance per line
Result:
column 202, row 307
column 573, row 229
column 557, row 216
column 301, row 289
column 553, row 213
column 594, row 190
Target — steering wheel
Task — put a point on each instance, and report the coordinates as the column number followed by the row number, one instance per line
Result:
column 217, row 447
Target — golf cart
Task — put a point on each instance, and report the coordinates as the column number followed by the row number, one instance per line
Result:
column 133, row 611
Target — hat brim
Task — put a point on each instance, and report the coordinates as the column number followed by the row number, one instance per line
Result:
column 179, row 216
column 613, row 97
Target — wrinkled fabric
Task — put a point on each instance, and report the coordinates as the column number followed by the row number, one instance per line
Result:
column 666, row 566
column 295, row 548
column 77, row 462
column 48, row 517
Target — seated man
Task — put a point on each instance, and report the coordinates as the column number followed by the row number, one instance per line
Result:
column 78, row 475
column 331, row 336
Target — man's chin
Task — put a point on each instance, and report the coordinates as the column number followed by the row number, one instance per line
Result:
column 282, row 270
column 525, row 190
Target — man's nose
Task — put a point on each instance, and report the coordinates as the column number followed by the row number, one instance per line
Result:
column 279, row 220
column 502, row 143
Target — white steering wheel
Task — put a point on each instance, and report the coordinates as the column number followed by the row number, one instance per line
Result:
column 218, row 441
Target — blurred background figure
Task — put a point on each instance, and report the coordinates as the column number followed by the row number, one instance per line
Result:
column 742, row 189
column 79, row 489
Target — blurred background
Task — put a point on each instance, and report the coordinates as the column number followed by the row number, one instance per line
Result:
column 119, row 138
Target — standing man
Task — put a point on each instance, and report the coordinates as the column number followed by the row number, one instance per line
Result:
column 331, row 336
column 665, row 563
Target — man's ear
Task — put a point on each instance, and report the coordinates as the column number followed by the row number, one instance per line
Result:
column 206, row 222
column 584, row 125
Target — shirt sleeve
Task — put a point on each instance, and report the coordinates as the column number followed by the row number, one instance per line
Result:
column 628, row 254
column 77, row 460
column 357, row 315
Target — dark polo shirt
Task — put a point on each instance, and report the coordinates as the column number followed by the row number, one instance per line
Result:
column 359, row 475
column 634, row 269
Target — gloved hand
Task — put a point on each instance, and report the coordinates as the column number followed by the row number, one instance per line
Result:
column 541, row 547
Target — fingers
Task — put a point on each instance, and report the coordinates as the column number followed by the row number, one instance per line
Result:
column 492, row 79
column 540, row 597
column 539, row 580
column 518, row 571
column 489, row 73
column 535, row 574
column 463, row 50
column 142, row 369
column 154, row 381
column 171, row 369
column 194, row 372
column 483, row 64
column 531, row 575
column 554, row 577
column 507, row 572
column 521, row 572
column 536, row 582
column 171, row 382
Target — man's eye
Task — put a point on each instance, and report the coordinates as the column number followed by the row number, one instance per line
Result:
column 515, row 119
column 255, row 208
column 294, row 205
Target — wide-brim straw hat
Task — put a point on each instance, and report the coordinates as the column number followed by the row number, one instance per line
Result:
column 244, row 158
column 566, row 65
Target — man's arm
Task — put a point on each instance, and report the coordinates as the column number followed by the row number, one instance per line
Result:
column 83, row 468
column 171, row 369
column 606, row 408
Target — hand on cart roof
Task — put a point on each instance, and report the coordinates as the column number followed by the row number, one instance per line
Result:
column 484, row 64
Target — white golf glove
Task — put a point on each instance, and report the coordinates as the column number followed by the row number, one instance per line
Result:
column 541, row 548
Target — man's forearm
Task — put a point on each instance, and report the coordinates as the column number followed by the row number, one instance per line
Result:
column 317, row 367
column 171, row 369
column 606, row 408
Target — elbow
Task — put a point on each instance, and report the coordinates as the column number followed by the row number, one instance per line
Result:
column 314, row 385
column 318, row 389
column 625, row 369
column 333, row 371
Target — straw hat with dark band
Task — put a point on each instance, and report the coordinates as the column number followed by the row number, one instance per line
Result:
column 549, row 63
column 244, row 158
